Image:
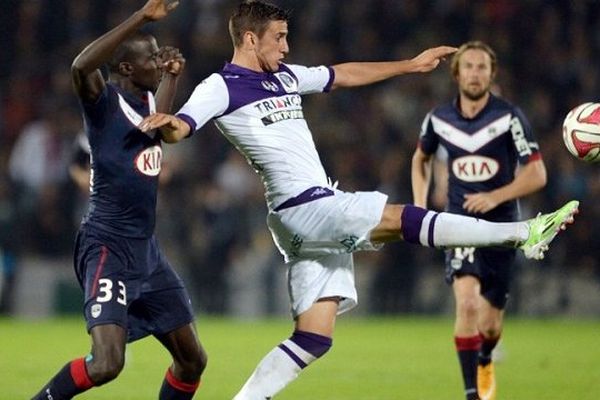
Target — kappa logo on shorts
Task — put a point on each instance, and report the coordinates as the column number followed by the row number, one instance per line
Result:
column 350, row 243
column 96, row 310
column 296, row 243
column 319, row 192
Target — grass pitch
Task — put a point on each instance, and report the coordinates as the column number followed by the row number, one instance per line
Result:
column 374, row 359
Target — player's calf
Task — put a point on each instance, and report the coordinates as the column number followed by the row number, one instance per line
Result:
column 71, row 380
column 283, row 364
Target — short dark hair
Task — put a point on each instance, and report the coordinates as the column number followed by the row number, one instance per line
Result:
column 473, row 45
column 125, row 52
column 254, row 16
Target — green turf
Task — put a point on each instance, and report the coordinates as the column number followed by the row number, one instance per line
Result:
column 379, row 359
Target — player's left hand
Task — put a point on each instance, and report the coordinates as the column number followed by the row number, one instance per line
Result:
column 479, row 203
column 171, row 60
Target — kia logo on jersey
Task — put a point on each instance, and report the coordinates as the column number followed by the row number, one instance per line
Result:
column 475, row 168
column 148, row 161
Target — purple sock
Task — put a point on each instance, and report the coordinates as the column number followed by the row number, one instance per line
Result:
column 301, row 343
column 413, row 219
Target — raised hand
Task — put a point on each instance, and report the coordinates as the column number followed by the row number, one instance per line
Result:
column 171, row 60
column 154, row 10
column 430, row 58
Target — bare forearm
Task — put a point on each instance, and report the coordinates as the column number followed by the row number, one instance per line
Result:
column 165, row 94
column 365, row 73
column 420, row 178
column 529, row 180
column 100, row 50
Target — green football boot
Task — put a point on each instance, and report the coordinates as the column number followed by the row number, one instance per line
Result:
column 544, row 228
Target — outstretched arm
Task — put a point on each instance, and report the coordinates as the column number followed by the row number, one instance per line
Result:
column 85, row 73
column 364, row 73
column 172, row 129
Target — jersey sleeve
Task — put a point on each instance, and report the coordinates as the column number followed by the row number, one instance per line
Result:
column 313, row 79
column 428, row 140
column 208, row 100
column 524, row 141
column 96, row 112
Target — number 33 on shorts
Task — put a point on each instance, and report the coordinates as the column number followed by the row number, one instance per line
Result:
column 105, row 291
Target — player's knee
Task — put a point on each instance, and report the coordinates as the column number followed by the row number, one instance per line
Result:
column 198, row 364
column 105, row 368
column 467, row 307
column 193, row 366
column 491, row 330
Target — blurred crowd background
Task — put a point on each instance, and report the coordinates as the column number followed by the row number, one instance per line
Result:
column 211, row 216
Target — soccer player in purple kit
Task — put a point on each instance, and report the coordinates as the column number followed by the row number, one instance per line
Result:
column 131, row 291
column 484, row 139
column 255, row 100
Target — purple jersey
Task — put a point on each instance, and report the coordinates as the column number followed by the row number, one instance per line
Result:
column 125, row 164
column 483, row 152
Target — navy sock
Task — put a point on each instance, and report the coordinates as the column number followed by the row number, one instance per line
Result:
column 468, row 350
column 487, row 346
column 174, row 389
column 71, row 380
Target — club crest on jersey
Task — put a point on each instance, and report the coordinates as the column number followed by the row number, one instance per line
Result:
column 96, row 310
column 268, row 85
column 148, row 162
column 474, row 168
column 288, row 83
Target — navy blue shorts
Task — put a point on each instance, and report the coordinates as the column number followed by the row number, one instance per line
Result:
column 492, row 266
column 130, row 283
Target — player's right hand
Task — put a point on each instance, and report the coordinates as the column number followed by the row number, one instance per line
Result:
column 158, row 120
column 154, row 10
column 171, row 128
column 430, row 58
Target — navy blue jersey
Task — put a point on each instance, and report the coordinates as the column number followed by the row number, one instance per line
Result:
column 483, row 152
column 125, row 164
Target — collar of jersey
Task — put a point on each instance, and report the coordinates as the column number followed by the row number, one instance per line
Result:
column 239, row 70
column 130, row 97
column 491, row 99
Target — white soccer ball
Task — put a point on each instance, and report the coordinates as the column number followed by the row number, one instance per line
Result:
column 581, row 132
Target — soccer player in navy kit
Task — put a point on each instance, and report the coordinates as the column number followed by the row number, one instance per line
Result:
column 131, row 291
column 256, row 102
column 484, row 138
